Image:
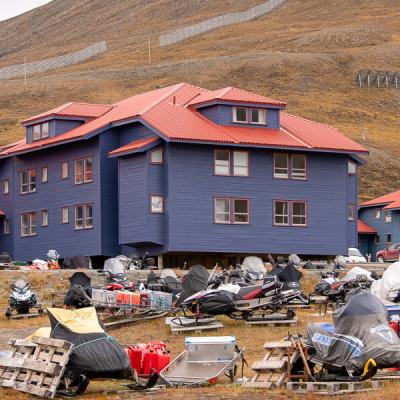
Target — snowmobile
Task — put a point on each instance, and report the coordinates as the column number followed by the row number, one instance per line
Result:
column 167, row 281
column 359, row 342
column 248, row 302
column 116, row 276
column 22, row 299
column 80, row 292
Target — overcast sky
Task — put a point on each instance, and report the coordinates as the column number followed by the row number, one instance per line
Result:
column 11, row 8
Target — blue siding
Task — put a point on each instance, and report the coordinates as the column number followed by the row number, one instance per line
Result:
column 64, row 125
column 7, row 205
column 352, row 198
column 222, row 115
column 191, row 208
column 54, row 195
column 135, row 131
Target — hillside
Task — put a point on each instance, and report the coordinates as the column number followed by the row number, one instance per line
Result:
column 306, row 52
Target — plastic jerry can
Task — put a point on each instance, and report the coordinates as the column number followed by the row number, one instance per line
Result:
column 135, row 354
column 163, row 360
column 123, row 297
column 149, row 361
column 395, row 325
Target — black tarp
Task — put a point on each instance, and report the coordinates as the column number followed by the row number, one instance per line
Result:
column 361, row 332
column 76, row 262
column 77, row 279
column 195, row 281
column 290, row 277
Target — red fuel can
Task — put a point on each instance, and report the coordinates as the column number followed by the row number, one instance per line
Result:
column 135, row 354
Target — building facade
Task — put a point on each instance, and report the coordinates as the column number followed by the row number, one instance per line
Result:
column 179, row 171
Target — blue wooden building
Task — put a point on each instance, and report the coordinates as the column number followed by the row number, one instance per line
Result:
column 379, row 223
column 178, row 171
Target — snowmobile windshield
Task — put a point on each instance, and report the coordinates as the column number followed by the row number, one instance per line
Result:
column 114, row 266
column 168, row 272
column 20, row 286
column 254, row 266
column 195, row 281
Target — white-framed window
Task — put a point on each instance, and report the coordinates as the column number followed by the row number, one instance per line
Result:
column 64, row 170
column 65, row 215
column 299, row 166
column 83, row 216
column 351, row 211
column 351, row 168
column 157, row 156
column 258, row 116
column 156, row 204
column 6, row 186
column 299, row 213
column 45, row 177
column 28, row 224
column 222, row 162
column 83, row 170
column 378, row 213
column 45, row 217
column 222, row 211
column 240, row 115
column 6, row 226
column 388, row 216
column 281, row 165
column 40, row 131
column 240, row 163
column 240, row 211
column 281, row 212
column 27, row 181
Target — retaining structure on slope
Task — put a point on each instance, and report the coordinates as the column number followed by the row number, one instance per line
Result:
column 217, row 22
column 378, row 78
column 65, row 60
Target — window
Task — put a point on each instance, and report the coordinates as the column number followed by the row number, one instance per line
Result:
column 378, row 213
column 258, row 116
column 240, row 211
column 231, row 211
column 299, row 213
column 6, row 186
column 351, row 168
column 240, row 114
column 156, row 156
column 28, row 224
column 388, row 216
column 44, row 174
column 40, row 131
column 6, row 226
column 65, row 215
column 84, row 216
column 222, row 162
column 388, row 238
column 64, row 170
column 377, row 239
column 222, row 211
column 240, row 163
column 299, row 166
column 83, row 170
column 351, row 211
column 281, row 213
column 45, row 217
column 157, row 204
column 28, row 181
column 281, row 165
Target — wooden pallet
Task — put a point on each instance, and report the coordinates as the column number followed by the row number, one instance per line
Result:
column 333, row 388
column 282, row 322
column 35, row 366
column 272, row 371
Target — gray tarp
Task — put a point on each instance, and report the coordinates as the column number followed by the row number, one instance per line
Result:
column 361, row 332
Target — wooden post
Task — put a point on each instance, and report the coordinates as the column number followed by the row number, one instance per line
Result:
column 368, row 80
column 387, row 81
column 160, row 262
column 377, row 79
column 395, row 81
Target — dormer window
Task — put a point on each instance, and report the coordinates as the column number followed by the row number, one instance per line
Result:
column 257, row 116
column 40, row 131
column 240, row 115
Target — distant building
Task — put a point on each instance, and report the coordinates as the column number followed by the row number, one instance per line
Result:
column 182, row 172
column 379, row 223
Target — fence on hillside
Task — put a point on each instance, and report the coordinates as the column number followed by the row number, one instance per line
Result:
column 217, row 22
column 65, row 60
column 378, row 78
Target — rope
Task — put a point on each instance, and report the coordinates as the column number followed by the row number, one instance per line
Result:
column 108, row 337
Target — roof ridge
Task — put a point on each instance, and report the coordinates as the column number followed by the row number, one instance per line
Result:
column 294, row 136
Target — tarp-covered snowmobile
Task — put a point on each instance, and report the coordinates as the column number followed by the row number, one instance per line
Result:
column 76, row 262
column 195, row 281
column 80, row 292
column 360, row 341
column 387, row 289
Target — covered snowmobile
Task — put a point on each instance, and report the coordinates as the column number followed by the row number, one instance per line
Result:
column 77, row 262
column 360, row 341
column 80, row 292
column 387, row 289
column 195, row 281
column 95, row 353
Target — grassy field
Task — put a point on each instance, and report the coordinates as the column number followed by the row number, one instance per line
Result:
column 305, row 52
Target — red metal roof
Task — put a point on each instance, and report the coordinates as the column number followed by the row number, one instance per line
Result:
column 166, row 110
column 86, row 110
column 234, row 95
column 391, row 200
column 363, row 227
column 133, row 146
